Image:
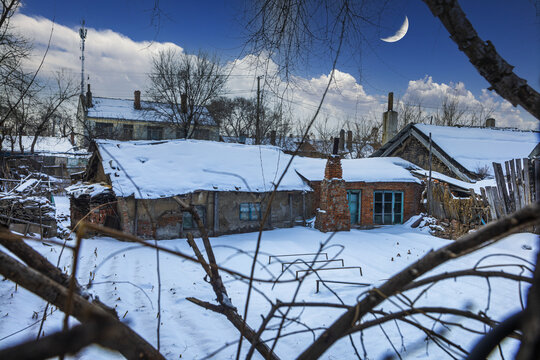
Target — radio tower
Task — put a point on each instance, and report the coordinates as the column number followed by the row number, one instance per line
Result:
column 82, row 34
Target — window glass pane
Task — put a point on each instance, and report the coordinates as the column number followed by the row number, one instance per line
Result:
column 388, row 197
column 397, row 207
column 244, row 211
column 397, row 219
column 378, row 208
column 387, row 218
column 388, row 208
column 378, row 196
column 377, row 219
column 188, row 221
column 255, row 211
column 397, row 196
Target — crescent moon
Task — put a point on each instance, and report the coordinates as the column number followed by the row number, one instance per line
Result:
column 400, row 33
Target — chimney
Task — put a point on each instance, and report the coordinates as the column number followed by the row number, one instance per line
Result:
column 336, row 146
column 349, row 140
column 89, row 98
column 390, row 121
column 333, row 213
column 490, row 122
column 342, row 140
column 137, row 100
column 273, row 137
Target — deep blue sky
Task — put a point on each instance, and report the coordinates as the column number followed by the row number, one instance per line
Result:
column 215, row 26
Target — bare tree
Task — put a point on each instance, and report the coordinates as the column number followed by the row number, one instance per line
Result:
column 182, row 85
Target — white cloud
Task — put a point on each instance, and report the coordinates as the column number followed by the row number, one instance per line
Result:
column 430, row 94
column 117, row 65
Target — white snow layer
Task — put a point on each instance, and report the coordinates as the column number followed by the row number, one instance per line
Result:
column 154, row 169
column 44, row 145
column 475, row 148
column 387, row 169
column 124, row 277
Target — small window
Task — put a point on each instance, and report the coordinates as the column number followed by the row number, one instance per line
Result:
column 127, row 132
column 250, row 211
column 155, row 133
column 104, row 130
column 388, row 207
column 187, row 219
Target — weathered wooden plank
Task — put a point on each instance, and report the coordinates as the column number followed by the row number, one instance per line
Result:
column 511, row 190
column 517, row 197
column 491, row 202
column 499, row 204
column 501, row 186
column 527, row 181
column 536, row 179
column 520, row 182
column 491, row 206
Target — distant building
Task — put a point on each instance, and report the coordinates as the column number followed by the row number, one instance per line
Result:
column 461, row 152
column 54, row 156
column 134, row 119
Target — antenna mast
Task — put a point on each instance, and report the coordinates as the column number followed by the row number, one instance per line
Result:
column 82, row 34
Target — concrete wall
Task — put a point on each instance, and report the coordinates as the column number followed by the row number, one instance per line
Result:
column 287, row 208
column 140, row 129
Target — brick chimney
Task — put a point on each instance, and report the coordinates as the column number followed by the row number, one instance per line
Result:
column 333, row 213
column 89, row 98
column 349, row 140
column 342, row 140
column 273, row 137
column 390, row 120
column 137, row 100
column 490, row 122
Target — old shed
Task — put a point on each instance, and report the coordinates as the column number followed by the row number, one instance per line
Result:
column 229, row 185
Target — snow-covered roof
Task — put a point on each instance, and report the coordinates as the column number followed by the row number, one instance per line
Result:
column 45, row 145
column 122, row 109
column 475, row 147
column 155, row 169
column 389, row 169
column 456, row 182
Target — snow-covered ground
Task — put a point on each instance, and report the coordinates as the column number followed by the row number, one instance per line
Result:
column 125, row 277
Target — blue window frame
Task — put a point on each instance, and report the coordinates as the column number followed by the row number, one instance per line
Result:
column 354, row 197
column 250, row 211
column 387, row 207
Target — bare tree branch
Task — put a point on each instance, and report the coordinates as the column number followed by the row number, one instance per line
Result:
column 124, row 340
column 489, row 234
column 484, row 57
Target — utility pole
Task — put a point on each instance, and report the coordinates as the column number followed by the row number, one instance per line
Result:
column 257, row 121
column 82, row 34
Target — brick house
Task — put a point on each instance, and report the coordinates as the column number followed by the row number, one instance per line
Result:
column 229, row 185
column 134, row 119
column 463, row 152
column 379, row 191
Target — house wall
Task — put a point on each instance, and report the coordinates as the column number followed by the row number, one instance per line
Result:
column 412, row 150
column 140, row 129
column 287, row 207
column 412, row 193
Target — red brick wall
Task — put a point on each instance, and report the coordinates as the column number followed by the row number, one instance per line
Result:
column 411, row 191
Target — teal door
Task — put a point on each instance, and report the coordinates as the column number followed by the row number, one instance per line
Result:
column 354, row 205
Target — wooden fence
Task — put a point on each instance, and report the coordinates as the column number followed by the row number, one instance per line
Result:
column 472, row 210
column 517, row 186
